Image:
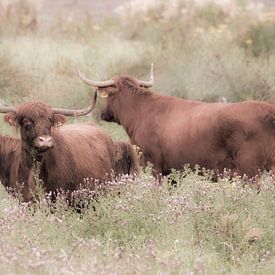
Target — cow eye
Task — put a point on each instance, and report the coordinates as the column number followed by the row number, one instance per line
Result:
column 27, row 123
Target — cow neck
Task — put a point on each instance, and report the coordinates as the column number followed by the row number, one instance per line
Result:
column 25, row 166
column 132, row 106
column 52, row 157
column 28, row 155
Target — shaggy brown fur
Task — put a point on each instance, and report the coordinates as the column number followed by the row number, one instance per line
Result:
column 8, row 148
column 172, row 132
column 81, row 153
column 126, row 161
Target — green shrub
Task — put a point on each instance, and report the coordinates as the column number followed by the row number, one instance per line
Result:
column 211, row 15
column 260, row 39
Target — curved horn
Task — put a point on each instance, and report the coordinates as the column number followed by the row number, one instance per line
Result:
column 98, row 84
column 4, row 109
column 149, row 83
column 82, row 112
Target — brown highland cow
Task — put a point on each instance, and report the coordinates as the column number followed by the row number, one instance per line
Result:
column 172, row 132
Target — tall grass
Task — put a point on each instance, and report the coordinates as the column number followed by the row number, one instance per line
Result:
column 140, row 227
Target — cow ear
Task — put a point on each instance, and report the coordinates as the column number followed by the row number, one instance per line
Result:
column 103, row 93
column 58, row 120
column 11, row 119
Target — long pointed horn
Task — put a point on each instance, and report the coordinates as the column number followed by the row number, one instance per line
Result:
column 149, row 83
column 98, row 84
column 4, row 109
column 82, row 112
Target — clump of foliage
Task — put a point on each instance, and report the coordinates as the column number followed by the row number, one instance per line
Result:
column 187, row 223
column 261, row 37
column 19, row 16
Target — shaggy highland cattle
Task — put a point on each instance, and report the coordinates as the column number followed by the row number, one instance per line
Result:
column 172, row 132
column 67, row 156
column 126, row 161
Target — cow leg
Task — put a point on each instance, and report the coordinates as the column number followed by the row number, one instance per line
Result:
column 29, row 191
column 24, row 183
column 158, row 175
column 157, row 171
column 243, row 169
column 247, row 163
column 272, row 166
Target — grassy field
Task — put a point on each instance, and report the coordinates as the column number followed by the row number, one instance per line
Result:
column 139, row 227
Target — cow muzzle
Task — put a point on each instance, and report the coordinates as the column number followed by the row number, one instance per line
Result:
column 43, row 143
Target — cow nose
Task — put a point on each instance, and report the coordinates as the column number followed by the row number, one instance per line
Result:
column 44, row 141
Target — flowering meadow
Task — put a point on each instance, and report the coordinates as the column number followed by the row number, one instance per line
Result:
column 186, row 225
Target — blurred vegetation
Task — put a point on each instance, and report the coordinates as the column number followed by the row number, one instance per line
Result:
column 200, row 52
